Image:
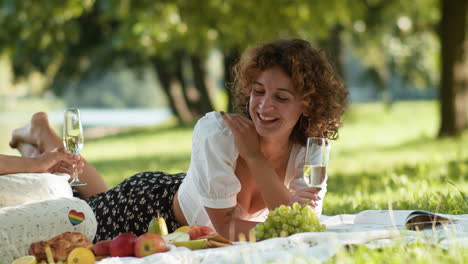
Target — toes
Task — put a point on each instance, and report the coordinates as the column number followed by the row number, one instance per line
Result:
column 39, row 118
column 13, row 144
column 14, row 140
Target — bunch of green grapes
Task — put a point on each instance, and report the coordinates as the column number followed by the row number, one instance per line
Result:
column 287, row 220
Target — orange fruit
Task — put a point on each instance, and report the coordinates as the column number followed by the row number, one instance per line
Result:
column 81, row 255
column 25, row 260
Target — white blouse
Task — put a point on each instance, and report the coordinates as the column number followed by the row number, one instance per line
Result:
column 211, row 181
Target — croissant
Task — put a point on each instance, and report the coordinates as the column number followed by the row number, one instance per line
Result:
column 60, row 246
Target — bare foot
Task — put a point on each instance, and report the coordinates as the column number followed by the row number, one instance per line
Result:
column 28, row 150
column 37, row 133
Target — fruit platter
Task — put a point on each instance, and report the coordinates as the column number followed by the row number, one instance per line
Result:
column 75, row 248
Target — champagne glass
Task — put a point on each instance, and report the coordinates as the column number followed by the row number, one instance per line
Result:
column 316, row 161
column 73, row 139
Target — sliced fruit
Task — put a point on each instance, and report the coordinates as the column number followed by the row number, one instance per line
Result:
column 216, row 244
column 193, row 244
column 176, row 237
column 217, row 238
column 158, row 226
column 182, row 229
column 196, row 232
column 81, row 255
column 50, row 256
column 25, row 260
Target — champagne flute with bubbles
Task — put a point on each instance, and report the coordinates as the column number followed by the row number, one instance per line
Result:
column 316, row 161
column 73, row 139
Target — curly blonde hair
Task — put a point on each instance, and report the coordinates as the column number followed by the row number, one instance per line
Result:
column 324, row 95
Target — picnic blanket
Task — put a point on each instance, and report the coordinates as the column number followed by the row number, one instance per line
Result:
column 313, row 247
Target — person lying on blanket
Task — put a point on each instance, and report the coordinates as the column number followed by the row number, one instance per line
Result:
column 242, row 165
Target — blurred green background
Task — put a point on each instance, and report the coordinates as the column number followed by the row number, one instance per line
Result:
column 144, row 71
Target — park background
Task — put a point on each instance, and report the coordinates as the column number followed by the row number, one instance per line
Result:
column 144, row 71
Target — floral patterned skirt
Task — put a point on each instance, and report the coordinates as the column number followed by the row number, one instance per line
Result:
column 130, row 206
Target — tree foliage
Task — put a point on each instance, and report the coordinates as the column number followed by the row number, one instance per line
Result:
column 398, row 37
column 36, row 34
column 76, row 40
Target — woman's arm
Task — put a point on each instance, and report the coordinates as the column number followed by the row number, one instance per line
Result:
column 88, row 174
column 273, row 191
column 14, row 164
column 51, row 161
column 227, row 224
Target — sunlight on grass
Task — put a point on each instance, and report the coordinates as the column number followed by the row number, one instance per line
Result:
column 140, row 144
column 369, row 143
column 415, row 253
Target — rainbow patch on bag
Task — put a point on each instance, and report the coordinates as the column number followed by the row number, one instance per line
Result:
column 76, row 217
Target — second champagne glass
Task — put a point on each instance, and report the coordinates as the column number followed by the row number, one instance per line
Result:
column 73, row 139
column 316, row 161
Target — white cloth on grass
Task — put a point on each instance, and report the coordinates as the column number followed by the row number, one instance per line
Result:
column 315, row 247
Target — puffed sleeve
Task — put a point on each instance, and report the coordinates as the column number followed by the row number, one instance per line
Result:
column 212, row 165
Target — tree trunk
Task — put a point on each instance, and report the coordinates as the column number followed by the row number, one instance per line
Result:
column 203, row 102
column 172, row 89
column 454, row 74
column 335, row 48
column 179, row 57
column 231, row 57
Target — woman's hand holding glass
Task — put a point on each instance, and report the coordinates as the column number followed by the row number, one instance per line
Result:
column 58, row 161
column 308, row 195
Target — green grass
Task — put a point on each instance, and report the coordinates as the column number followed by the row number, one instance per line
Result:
column 416, row 253
column 147, row 149
column 390, row 158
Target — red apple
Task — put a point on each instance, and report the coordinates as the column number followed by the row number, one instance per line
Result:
column 101, row 248
column 122, row 245
column 148, row 244
column 196, row 232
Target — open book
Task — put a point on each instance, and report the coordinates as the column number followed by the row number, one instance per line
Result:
column 412, row 219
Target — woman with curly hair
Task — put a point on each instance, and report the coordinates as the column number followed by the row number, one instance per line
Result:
column 242, row 165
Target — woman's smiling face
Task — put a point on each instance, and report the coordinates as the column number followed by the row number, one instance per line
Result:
column 274, row 105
